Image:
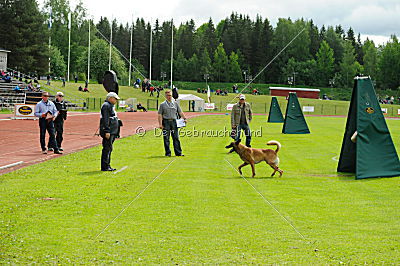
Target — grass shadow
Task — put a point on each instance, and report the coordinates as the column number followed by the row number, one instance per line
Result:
column 346, row 177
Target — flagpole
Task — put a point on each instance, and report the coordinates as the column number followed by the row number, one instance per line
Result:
column 69, row 43
column 151, row 48
column 172, row 47
column 130, row 56
column 109, row 58
column 49, row 26
column 88, row 67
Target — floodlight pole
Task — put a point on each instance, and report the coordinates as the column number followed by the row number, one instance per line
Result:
column 172, row 48
column 88, row 68
column 109, row 58
column 151, row 49
column 130, row 56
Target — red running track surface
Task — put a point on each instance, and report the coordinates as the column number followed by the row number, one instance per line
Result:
column 19, row 139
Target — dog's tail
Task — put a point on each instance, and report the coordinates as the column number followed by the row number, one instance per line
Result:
column 274, row 142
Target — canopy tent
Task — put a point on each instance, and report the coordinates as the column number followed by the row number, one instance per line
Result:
column 199, row 102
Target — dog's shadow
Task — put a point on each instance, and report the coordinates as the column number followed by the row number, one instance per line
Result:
column 251, row 178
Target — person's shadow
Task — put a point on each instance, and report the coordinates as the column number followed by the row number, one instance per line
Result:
column 90, row 173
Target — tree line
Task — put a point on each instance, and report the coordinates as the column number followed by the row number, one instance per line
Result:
column 235, row 49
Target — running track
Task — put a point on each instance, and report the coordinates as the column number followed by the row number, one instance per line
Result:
column 19, row 139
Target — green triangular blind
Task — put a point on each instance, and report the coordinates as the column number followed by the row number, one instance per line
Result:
column 294, row 118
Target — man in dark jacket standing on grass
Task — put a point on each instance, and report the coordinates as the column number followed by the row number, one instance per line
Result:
column 109, row 129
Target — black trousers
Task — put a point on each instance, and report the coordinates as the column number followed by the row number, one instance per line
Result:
column 106, row 152
column 59, row 130
column 47, row 125
column 170, row 128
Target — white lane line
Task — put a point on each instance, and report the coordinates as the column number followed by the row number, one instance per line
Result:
column 11, row 165
column 120, row 170
column 267, row 201
column 137, row 196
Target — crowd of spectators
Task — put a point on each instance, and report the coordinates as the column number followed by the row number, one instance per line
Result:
column 387, row 100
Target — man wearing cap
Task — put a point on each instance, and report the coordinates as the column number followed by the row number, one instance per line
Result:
column 59, row 120
column 109, row 129
column 47, row 111
column 241, row 117
column 167, row 115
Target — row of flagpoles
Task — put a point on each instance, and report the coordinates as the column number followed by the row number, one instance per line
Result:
column 50, row 22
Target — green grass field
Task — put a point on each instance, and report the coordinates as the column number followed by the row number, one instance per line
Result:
column 197, row 209
column 260, row 103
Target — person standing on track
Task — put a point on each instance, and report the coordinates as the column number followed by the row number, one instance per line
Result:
column 59, row 120
column 47, row 111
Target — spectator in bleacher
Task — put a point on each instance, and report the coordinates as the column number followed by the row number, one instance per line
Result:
column 31, row 87
column 61, row 107
column 47, row 111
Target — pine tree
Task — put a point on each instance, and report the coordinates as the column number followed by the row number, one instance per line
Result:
column 193, row 69
column 220, row 64
column 205, row 63
column 234, row 71
column 336, row 43
column 23, row 32
column 349, row 67
column 325, row 64
column 370, row 59
column 389, row 64
column 315, row 40
column 180, row 67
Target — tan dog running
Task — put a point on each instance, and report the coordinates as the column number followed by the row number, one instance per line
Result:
column 254, row 156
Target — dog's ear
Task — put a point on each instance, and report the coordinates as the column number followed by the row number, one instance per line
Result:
column 238, row 141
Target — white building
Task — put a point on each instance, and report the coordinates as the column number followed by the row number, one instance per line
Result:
column 3, row 59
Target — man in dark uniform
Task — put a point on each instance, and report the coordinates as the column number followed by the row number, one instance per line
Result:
column 109, row 129
column 59, row 120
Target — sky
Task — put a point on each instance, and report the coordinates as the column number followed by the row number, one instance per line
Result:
column 375, row 19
